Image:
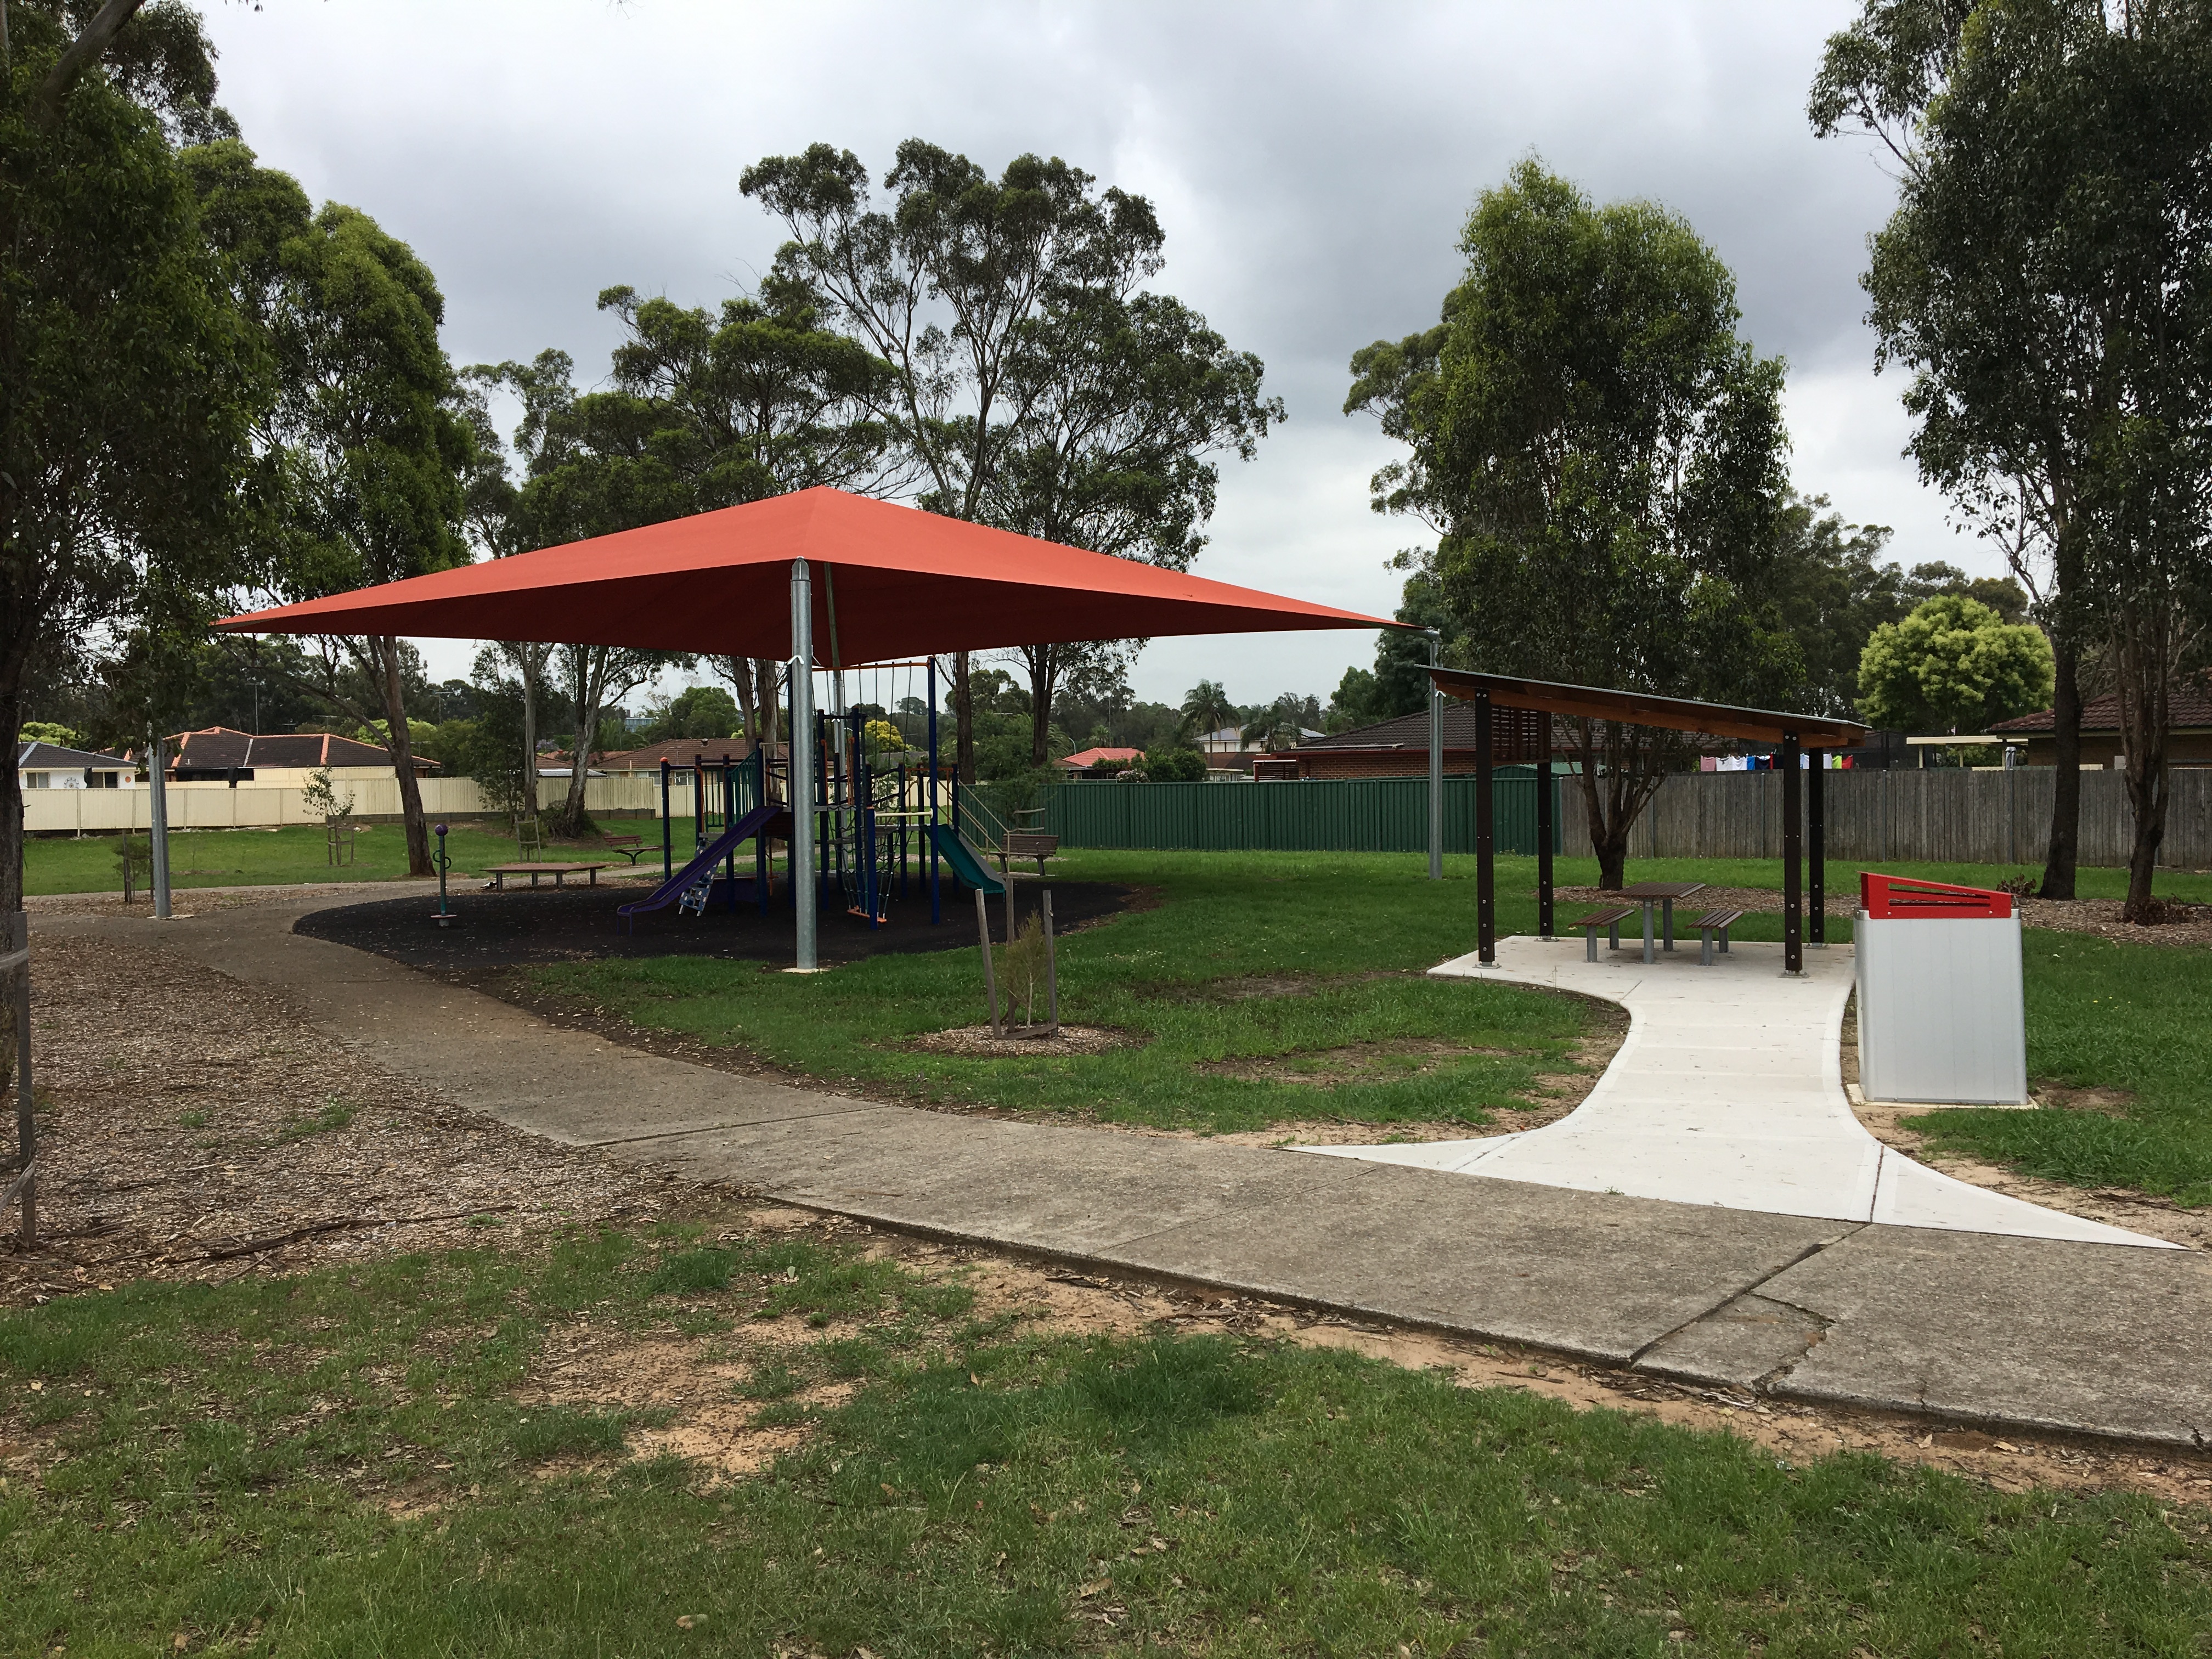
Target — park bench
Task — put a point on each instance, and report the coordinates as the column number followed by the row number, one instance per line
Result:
column 1028, row 844
column 1608, row 920
column 1709, row 924
column 499, row 872
column 630, row 847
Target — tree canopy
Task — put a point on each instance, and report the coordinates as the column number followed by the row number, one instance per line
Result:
column 2044, row 278
column 1037, row 384
column 1953, row 664
column 129, row 377
column 1602, row 458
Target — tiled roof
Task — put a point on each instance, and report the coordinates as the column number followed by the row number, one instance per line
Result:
column 1410, row 732
column 1092, row 756
column 679, row 752
column 53, row 758
column 219, row 747
column 2191, row 704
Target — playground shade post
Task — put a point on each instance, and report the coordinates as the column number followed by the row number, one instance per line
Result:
column 802, row 767
column 936, row 914
column 1051, row 965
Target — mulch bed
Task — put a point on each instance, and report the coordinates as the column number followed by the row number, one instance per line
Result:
column 2098, row 916
column 195, row 1127
column 521, row 927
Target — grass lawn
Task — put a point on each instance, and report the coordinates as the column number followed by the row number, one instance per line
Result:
column 295, row 852
column 364, row 1461
column 1258, row 968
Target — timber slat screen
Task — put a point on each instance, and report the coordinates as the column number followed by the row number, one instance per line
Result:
column 1361, row 814
column 1941, row 816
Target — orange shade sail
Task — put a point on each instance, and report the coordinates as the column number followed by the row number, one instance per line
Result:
column 887, row 581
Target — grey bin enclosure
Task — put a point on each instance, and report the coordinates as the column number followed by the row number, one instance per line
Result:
column 1941, row 1019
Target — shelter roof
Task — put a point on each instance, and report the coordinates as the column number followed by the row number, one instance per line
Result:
column 896, row 581
column 1718, row 719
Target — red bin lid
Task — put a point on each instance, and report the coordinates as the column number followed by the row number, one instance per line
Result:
column 1898, row 896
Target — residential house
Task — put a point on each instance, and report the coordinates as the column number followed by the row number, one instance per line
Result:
column 2190, row 742
column 1399, row 748
column 282, row 760
column 1083, row 760
column 51, row 766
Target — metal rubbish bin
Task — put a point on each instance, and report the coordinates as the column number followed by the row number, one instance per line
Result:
column 1940, row 1018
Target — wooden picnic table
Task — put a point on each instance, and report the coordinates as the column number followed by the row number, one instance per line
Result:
column 499, row 872
column 1663, row 893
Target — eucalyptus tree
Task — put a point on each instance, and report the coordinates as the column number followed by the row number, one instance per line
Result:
column 1036, row 386
column 1601, row 457
column 371, row 440
column 129, row 380
column 755, row 400
column 2044, row 278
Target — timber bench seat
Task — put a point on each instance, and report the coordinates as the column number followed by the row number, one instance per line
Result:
column 1609, row 920
column 1712, row 923
column 630, row 847
column 1029, row 844
column 499, row 872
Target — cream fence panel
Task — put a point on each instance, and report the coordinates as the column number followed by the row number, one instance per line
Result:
column 218, row 806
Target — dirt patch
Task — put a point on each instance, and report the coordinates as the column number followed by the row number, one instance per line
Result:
column 2115, row 1206
column 1558, row 1092
column 1353, row 1062
column 692, row 1381
column 976, row 1041
column 195, row 1127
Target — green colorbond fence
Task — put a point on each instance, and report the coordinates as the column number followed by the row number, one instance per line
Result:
column 1362, row 815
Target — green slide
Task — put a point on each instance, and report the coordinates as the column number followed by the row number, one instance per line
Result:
column 961, row 857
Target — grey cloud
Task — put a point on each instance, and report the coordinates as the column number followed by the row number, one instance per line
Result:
column 1312, row 163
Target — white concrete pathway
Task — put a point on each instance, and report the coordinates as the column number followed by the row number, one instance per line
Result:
column 1728, row 1090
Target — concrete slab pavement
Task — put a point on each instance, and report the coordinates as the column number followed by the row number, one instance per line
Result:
column 1728, row 1089
column 1807, row 1305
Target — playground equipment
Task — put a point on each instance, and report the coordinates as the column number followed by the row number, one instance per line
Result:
column 443, row 915
column 879, row 824
column 1942, row 1018
column 751, row 809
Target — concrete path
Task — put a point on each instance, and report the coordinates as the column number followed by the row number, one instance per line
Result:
column 1993, row 1330
column 1729, row 1091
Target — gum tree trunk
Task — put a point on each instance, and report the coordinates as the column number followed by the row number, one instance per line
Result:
column 385, row 654
column 2066, row 755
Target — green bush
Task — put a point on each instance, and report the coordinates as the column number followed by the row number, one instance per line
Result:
column 1174, row 765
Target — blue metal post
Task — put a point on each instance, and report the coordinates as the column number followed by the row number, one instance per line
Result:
column 936, row 914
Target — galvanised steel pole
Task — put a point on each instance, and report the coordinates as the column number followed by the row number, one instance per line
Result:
column 802, row 764
column 158, row 833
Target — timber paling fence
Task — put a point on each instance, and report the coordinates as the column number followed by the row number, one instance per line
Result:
column 1945, row 816
column 1359, row 814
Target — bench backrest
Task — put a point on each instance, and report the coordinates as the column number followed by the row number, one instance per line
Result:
column 1029, row 844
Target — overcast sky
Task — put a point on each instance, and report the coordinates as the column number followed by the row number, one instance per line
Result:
column 1311, row 165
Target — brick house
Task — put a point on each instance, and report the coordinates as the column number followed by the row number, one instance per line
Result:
column 1399, row 748
column 2189, row 745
